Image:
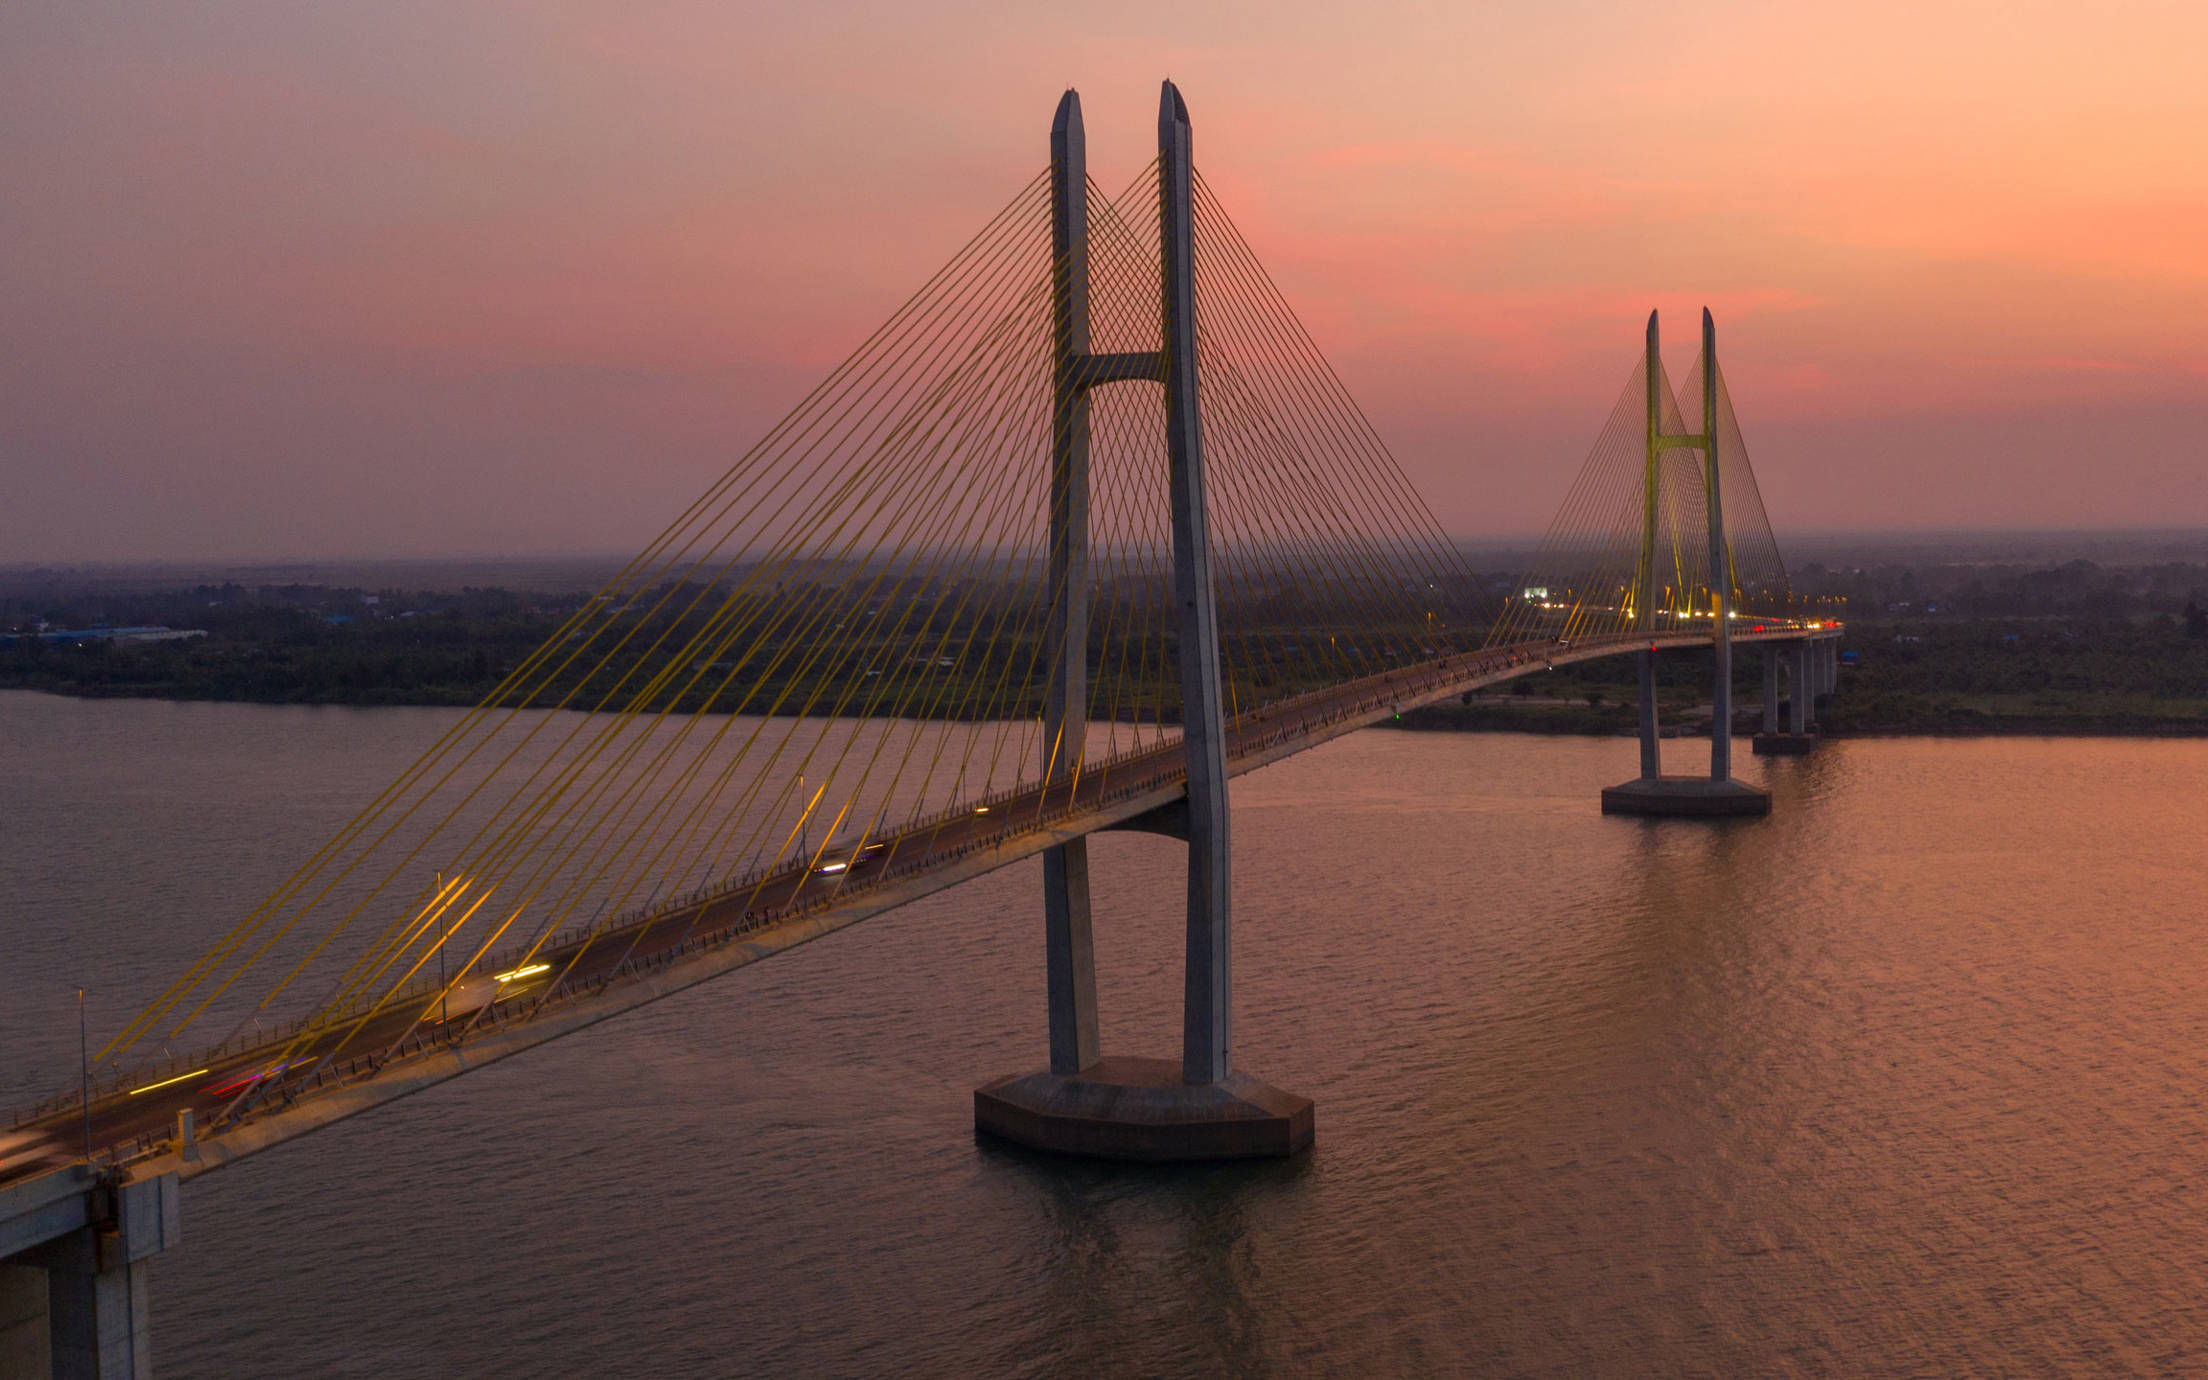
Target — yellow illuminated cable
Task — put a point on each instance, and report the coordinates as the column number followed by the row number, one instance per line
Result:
column 166, row 1082
column 490, row 701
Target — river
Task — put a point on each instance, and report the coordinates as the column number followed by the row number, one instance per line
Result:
column 1907, row 1078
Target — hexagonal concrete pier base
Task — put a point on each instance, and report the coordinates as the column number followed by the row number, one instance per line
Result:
column 1784, row 744
column 1685, row 795
column 1139, row 1109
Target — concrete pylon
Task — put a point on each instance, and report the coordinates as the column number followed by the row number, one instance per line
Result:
column 1069, row 950
column 1199, row 1107
column 1770, row 688
column 1644, row 582
column 1207, row 1013
column 1721, row 577
column 1652, row 793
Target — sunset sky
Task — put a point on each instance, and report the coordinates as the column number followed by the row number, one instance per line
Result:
column 439, row 276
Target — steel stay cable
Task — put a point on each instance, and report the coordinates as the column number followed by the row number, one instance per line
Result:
column 1296, row 337
column 1127, row 436
column 860, row 598
column 615, row 729
column 1232, row 405
column 1228, row 567
column 643, row 783
column 639, row 862
column 756, row 573
column 1570, row 516
column 1369, row 462
column 1119, row 452
column 904, row 699
column 1386, row 564
column 518, row 674
column 1319, row 555
column 1266, row 337
column 937, row 712
column 1240, row 409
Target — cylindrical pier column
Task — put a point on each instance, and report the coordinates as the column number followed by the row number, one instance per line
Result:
column 1652, row 762
column 1797, row 689
column 1770, row 688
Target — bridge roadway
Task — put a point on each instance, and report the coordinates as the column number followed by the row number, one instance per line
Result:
column 376, row 1057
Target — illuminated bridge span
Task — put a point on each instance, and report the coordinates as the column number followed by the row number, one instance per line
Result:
column 1086, row 529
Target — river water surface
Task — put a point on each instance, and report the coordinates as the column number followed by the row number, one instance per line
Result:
column 1906, row 1078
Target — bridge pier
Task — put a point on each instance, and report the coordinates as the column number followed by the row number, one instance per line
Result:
column 1799, row 690
column 1652, row 753
column 74, row 1258
column 1798, row 740
column 1652, row 793
column 1130, row 1108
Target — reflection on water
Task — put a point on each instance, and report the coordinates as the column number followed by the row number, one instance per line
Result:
column 1903, row 1078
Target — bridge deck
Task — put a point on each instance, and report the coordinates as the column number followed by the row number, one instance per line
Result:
column 380, row 1055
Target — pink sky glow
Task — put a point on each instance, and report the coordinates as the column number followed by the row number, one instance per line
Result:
column 438, row 276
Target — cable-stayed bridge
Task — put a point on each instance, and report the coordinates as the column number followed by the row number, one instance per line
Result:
column 1086, row 529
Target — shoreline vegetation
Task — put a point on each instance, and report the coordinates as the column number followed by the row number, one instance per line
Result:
column 2077, row 649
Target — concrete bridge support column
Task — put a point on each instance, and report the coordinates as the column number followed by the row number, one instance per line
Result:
column 1770, row 688
column 1199, row 1108
column 26, row 1347
column 1773, row 741
column 97, row 1304
column 75, row 1305
column 1800, row 686
column 1652, row 755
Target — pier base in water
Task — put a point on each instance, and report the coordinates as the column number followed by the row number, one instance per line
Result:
column 1693, row 796
column 1139, row 1109
column 1784, row 744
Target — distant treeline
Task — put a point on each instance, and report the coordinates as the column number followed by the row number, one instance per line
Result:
column 2075, row 589
column 1959, row 675
column 915, row 649
column 2077, row 647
